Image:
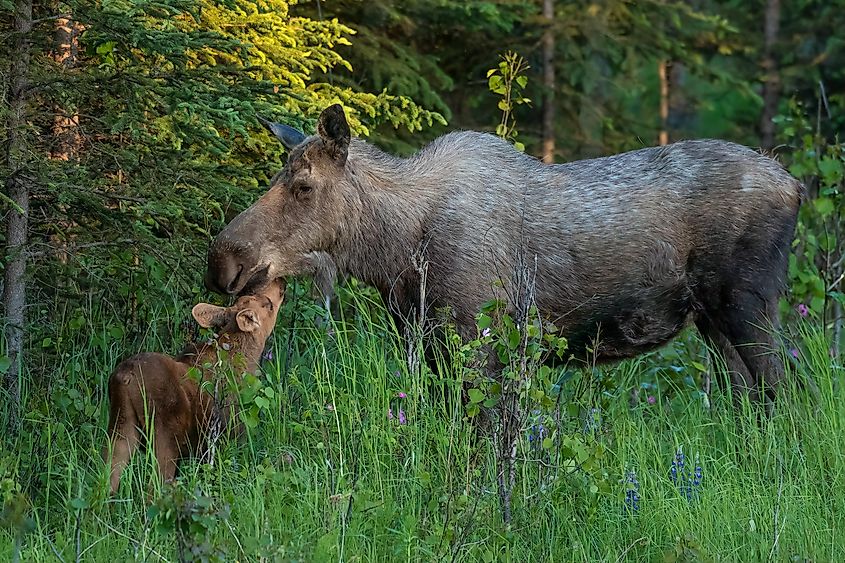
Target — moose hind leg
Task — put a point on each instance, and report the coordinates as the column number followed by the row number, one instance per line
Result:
column 166, row 451
column 743, row 330
column 750, row 322
column 739, row 376
column 125, row 439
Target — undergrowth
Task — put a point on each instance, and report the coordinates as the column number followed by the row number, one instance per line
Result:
column 356, row 458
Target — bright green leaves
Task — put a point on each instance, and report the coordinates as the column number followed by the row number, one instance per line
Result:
column 508, row 81
column 815, row 268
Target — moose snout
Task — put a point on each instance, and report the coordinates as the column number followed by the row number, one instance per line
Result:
column 230, row 266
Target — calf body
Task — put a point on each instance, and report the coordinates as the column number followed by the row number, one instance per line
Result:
column 157, row 388
column 626, row 250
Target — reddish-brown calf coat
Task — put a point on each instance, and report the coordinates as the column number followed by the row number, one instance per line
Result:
column 152, row 389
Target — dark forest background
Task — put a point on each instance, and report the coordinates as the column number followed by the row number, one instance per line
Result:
column 129, row 131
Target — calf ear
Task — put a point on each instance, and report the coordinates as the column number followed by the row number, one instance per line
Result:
column 247, row 320
column 289, row 136
column 334, row 131
column 209, row 316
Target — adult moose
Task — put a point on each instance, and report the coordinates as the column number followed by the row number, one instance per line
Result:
column 629, row 247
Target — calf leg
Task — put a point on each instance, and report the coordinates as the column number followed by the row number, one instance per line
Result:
column 167, row 452
column 123, row 430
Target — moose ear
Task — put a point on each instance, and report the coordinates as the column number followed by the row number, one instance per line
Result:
column 334, row 131
column 209, row 316
column 289, row 136
column 247, row 320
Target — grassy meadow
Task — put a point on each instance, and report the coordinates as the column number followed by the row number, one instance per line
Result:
column 356, row 458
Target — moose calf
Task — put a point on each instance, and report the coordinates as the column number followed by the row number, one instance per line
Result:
column 157, row 389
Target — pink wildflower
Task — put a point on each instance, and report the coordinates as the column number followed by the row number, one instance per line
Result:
column 794, row 353
column 402, row 395
column 651, row 400
column 802, row 310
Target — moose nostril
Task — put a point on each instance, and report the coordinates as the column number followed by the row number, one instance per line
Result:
column 230, row 288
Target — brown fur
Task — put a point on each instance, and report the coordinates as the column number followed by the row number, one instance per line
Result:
column 155, row 387
column 630, row 248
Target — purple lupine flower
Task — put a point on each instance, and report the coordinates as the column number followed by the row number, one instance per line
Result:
column 676, row 472
column 687, row 482
column 697, row 476
column 402, row 419
column 632, row 493
column 802, row 310
column 536, row 432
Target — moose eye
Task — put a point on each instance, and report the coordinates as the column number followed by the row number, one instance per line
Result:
column 301, row 189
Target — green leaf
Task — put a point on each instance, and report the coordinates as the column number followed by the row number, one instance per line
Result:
column 513, row 339
column 831, row 170
column 476, row 396
column 824, row 206
column 78, row 503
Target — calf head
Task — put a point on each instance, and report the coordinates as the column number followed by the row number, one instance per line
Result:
column 253, row 314
column 304, row 210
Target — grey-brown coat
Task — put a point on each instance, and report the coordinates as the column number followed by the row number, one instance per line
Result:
column 629, row 248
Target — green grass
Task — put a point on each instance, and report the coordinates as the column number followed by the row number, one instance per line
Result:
column 327, row 476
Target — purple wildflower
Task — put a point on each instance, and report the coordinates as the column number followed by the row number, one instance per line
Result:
column 794, row 353
column 651, row 400
column 402, row 419
column 632, row 493
column 485, row 333
column 401, row 395
column 268, row 355
column 676, row 472
column 687, row 482
column 802, row 310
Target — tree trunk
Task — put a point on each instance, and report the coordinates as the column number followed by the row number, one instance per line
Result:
column 14, row 280
column 67, row 140
column 771, row 76
column 663, row 72
column 548, row 82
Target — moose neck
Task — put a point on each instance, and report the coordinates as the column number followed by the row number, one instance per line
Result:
column 395, row 202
